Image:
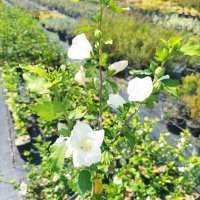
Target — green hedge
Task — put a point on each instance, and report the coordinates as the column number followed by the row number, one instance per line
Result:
column 22, row 40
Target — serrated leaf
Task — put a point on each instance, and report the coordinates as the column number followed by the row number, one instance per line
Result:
column 103, row 59
column 114, row 7
column 57, row 156
column 36, row 84
column 47, row 110
column 84, row 29
column 170, row 86
column 191, row 50
column 84, row 181
column 174, row 41
column 161, row 55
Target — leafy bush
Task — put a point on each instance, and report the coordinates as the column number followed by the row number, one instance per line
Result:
column 133, row 39
column 23, row 40
column 179, row 23
column 190, row 96
column 86, row 8
column 172, row 6
column 66, row 25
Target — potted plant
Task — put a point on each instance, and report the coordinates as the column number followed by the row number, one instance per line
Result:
column 190, row 98
column 23, row 144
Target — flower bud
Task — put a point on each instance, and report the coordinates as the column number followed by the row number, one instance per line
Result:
column 159, row 72
column 157, row 86
column 98, row 35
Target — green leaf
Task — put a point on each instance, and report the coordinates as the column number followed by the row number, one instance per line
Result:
column 114, row 7
column 75, row 1
column 140, row 72
column 63, row 129
column 190, row 50
column 96, row 18
column 36, row 84
column 170, row 86
column 130, row 139
column 47, row 110
column 84, row 181
column 174, row 42
column 113, row 86
column 103, row 59
column 151, row 101
column 104, row 2
column 153, row 66
column 84, row 29
column 57, row 156
column 161, row 55
column 90, row 69
column 78, row 113
column 36, row 70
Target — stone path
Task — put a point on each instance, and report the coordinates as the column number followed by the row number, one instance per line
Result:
column 10, row 161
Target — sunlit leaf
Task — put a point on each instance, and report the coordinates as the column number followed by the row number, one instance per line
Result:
column 57, row 156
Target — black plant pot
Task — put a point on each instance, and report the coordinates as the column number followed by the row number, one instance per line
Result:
column 34, row 132
column 194, row 130
column 23, row 143
column 176, row 125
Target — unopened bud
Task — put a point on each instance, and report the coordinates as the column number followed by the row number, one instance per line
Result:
column 159, row 72
column 157, row 86
column 98, row 35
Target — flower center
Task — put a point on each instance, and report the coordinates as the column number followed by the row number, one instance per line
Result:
column 86, row 144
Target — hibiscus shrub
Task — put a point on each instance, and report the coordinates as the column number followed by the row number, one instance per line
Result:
column 102, row 146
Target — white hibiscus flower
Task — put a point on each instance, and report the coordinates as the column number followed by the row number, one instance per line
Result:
column 80, row 76
column 80, row 48
column 115, row 100
column 84, row 145
column 139, row 89
column 118, row 66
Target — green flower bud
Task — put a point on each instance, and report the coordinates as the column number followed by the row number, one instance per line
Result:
column 157, row 86
column 98, row 35
column 159, row 72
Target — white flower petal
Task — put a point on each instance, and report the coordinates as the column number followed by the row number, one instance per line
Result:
column 84, row 144
column 80, row 76
column 82, row 158
column 80, row 48
column 164, row 77
column 60, row 139
column 119, row 66
column 181, row 169
column 117, row 180
column 115, row 100
column 81, row 129
column 97, row 136
column 139, row 89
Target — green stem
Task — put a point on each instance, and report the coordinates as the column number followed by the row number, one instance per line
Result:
column 126, row 123
column 100, row 70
